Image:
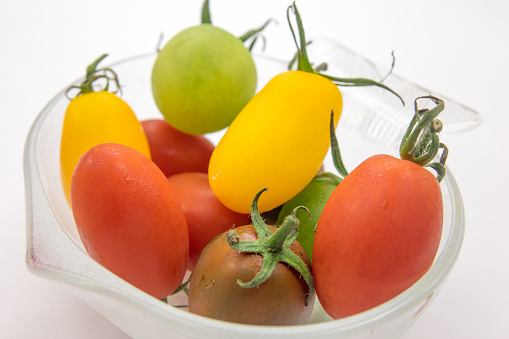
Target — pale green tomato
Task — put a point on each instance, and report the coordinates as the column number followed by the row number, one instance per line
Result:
column 202, row 79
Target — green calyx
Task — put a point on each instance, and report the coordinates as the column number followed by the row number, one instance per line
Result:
column 421, row 142
column 94, row 74
column 253, row 34
column 274, row 248
column 303, row 63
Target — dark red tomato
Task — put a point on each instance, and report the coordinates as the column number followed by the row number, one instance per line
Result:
column 215, row 293
column 206, row 216
column 129, row 218
column 174, row 151
column 378, row 234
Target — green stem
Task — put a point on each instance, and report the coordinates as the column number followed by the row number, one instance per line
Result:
column 329, row 176
column 92, row 74
column 205, row 13
column 302, row 57
column 359, row 82
column 276, row 241
column 255, row 31
column 336, row 154
column 305, row 65
column 261, row 229
column 183, row 287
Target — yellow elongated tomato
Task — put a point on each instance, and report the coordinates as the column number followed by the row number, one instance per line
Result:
column 94, row 118
column 279, row 141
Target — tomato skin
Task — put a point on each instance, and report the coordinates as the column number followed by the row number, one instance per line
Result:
column 129, row 219
column 378, row 234
column 202, row 78
column 314, row 196
column 205, row 215
column 214, row 291
column 279, row 141
column 174, row 151
column 95, row 118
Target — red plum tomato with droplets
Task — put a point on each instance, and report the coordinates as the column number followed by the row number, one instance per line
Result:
column 378, row 234
column 129, row 218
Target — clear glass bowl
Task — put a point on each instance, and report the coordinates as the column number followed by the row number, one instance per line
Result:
column 373, row 121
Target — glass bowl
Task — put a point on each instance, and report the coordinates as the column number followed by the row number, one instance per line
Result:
column 373, row 121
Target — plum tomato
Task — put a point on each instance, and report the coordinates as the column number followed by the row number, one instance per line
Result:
column 174, row 151
column 95, row 117
column 206, row 217
column 129, row 218
column 202, row 78
column 380, row 230
column 279, row 139
column 254, row 274
column 378, row 234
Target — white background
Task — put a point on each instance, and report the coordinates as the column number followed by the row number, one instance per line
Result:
column 457, row 47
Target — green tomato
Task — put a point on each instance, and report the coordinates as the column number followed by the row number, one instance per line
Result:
column 202, row 79
column 313, row 196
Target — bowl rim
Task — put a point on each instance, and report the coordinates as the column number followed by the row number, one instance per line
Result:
column 53, row 268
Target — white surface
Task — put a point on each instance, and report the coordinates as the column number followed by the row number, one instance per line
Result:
column 458, row 48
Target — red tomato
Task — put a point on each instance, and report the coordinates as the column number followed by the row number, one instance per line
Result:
column 129, row 218
column 174, row 151
column 378, row 234
column 206, row 216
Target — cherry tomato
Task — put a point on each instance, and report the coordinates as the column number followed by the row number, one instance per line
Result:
column 206, row 217
column 174, row 151
column 254, row 274
column 202, row 78
column 313, row 196
column 129, row 218
column 214, row 291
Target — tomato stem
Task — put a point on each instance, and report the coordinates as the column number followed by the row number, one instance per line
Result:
column 261, row 229
column 421, row 142
column 304, row 64
column 184, row 286
column 336, row 154
column 286, row 233
column 328, row 176
column 302, row 58
column 93, row 74
column 205, row 13
column 274, row 248
column 255, row 35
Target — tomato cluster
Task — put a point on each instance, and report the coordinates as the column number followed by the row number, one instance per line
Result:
column 154, row 199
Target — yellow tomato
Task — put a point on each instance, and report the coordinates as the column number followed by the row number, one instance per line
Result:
column 94, row 118
column 278, row 141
